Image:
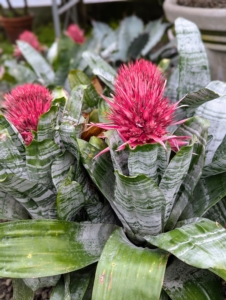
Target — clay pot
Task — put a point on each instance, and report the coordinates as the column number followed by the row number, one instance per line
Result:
column 15, row 26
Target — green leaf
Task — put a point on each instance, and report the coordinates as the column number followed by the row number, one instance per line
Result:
column 197, row 127
column 150, row 160
column 183, row 282
column 141, row 202
column 137, row 45
column 40, row 156
column 125, row 271
column 201, row 244
column 58, row 292
column 208, row 191
column 217, row 213
column 79, row 282
column 174, row 175
column 100, row 68
column 21, row 291
column 47, row 248
column 10, row 209
column 218, row 87
column 91, row 97
column 36, row 283
column 37, row 62
column 193, row 63
column 103, row 110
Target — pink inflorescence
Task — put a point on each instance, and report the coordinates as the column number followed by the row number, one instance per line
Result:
column 75, row 33
column 139, row 111
column 30, row 38
column 24, row 106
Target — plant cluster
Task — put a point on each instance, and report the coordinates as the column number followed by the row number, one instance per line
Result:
column 119, row 195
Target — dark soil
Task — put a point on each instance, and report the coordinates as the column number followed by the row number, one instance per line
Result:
column 203, row 3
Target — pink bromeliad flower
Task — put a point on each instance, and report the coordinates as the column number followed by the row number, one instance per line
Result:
column 75, row 33
column 139, row 111
column 30, row 38
column 24, row 106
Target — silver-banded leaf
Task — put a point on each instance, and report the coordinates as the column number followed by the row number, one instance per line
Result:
column 21, row 291
column 141, row 202
column 37, row 62
column 10, row 209
column 174, row 175
column 100, row 68
column 38, row 200
column 70, row 198
column 39, row 157
column 208, row 192
column 217, row 213
column 193, row 63
column 197, row 127
column 60, row 167
column 47, row 248
column 150, row 160
column 74, row 104
column 36, row 283
column 201, row 244
column 184, row 282
column 125, row 271
column 11, row 161
column 218, row 87
column 14, row 134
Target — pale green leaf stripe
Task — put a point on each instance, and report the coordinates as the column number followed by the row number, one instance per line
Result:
column 201, row 244
column 150, row 160
column 10, row 209
column 197, row 127
column 208, row 191
column 141, row 203
column 70, row 199
column 60, row 167
column 182, row 281
column 215, row 112
column 47, row 124
column 218, row 164
column 102, row 173
column 217, row 213
column 11, row 161
column 40, row 156
column 37, row 62
column 38, row 200
column 174, row 176
column 47, row 248
column 193, row 62
column 125, row 271
column 14, row 134
column 119, row 158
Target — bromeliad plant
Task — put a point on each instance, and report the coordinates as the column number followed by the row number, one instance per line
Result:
column 161, row 168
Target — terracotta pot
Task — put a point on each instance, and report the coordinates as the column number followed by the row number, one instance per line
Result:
column 212, row 24
column 15, row 26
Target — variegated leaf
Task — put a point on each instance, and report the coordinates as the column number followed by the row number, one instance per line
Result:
column 217, row 213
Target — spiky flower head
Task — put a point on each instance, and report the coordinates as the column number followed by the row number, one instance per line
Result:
column 75, row 33
column 30, row 38
column 139, row 111
column 24, row 106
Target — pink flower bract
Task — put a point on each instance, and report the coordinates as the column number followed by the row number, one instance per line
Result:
column 75, row 33
column 30, row 38
column 24, row 106
column 139, row 111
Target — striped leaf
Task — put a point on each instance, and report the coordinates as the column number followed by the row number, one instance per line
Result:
column 218, row 87
column 193, row 63
column 197, row 127
column 91, row 97
column 125, row 271
column 141, row 203
column 184, row 282
column 217, row 213
column 10, row 209
column 208, row 191
column 174, row 175
column 150, row 160
column 37, row 62
column 74, row 104
column 39, row 157
column 47, row 248
column 201, row 245
column 100, row 68
column 70, row 198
